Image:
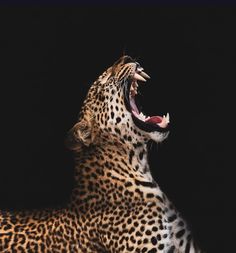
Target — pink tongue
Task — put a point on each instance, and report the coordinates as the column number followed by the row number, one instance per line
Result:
column 154, row 119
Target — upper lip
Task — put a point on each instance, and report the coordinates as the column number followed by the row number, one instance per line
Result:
column 155, row 122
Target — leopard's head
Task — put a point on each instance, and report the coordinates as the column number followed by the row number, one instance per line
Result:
column 110, row 112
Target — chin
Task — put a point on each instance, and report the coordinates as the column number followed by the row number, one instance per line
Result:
column 157, row 136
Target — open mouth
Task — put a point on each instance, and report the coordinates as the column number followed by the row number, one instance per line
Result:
column 145, row 123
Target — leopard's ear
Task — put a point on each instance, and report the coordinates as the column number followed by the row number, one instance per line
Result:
column 80, row 135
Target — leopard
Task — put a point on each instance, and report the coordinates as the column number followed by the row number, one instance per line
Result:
column 115, row 206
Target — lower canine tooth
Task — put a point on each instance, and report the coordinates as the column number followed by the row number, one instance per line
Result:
column 163, row 123
column 167, row 118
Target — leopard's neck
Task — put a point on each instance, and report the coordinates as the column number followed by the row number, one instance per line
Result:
column 128, row 159
column 98, row 169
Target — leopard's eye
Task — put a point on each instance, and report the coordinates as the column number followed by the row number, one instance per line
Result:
column 127, row 59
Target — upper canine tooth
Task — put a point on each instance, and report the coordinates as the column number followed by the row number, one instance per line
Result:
column 138, row 77
column 145, row 75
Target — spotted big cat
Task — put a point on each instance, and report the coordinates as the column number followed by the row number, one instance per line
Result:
column 116, row 206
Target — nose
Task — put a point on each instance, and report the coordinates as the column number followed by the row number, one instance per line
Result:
column 138, row 66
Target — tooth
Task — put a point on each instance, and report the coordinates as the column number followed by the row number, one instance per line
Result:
column 142, row 116
column 145, row 75
column 167, row 118
column 138, row 77
column 164, row 123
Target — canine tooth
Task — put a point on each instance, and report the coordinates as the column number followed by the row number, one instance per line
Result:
column 138, row 77
column 163, row 123
column 145, row 75
column 167, row 118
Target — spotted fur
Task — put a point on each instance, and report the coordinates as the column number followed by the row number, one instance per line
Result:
column 116, row 206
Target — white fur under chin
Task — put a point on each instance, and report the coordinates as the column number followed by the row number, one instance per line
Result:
column 157, row 136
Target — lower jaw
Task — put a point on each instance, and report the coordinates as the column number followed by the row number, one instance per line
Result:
column 147, row 127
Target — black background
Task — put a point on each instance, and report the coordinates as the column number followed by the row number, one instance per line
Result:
column 50, row 56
